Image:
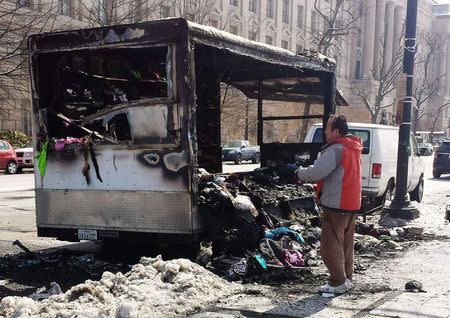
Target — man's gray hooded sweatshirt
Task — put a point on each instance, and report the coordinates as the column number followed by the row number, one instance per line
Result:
column 338, row 172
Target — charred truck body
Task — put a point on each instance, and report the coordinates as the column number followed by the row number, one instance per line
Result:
column 129, row 113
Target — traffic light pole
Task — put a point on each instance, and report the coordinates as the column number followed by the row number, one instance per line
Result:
column 400, row 206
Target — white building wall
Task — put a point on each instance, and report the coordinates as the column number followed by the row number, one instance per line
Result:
column 377, row 16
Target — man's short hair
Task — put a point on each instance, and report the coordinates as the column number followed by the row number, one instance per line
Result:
column 339, row 123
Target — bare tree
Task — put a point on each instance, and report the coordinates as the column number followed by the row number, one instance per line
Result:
column 426, row 78
column 198, row 11
column 434, row 114
column 17, row 22
column 110, row 12
column 339, row 18
column 238, row 113
column 373, row 92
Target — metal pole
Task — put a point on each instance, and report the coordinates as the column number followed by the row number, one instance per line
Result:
column 247, row 106
column 260, row 120
column 401, row 206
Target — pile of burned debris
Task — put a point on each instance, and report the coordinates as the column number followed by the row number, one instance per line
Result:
column 264, row 221
column 258, row 221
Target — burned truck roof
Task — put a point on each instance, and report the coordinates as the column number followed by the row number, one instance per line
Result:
column 253, row 60
column 174, row 29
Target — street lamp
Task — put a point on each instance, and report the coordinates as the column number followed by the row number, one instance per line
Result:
column 400, row 206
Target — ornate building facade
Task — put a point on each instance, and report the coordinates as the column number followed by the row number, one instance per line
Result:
column 372, row 43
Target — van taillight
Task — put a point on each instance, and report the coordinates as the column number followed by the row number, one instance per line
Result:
column 376, row 170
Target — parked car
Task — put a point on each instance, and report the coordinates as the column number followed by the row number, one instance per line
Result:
column 441, row 162
column 8, row 158
column 239, row 150
column 25, row 157
column 425, row 148
column 379, row 157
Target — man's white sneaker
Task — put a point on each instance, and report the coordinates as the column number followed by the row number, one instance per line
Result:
column 349, row 283
column 334, row 289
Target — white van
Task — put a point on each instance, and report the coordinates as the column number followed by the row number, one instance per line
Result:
column 379, row 157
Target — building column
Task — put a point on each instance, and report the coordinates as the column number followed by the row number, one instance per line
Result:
column 369, row 33
column 399, row 18
column 389, row 34
column 278, row 22
column 447, row 77
column 245, row 15
column 379, row 32
column 262, row 21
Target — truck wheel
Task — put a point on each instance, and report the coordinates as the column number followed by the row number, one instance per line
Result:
column 238, row 159
column 417, row 193
column 256, row 159
column 436, row 174
column 11, row 168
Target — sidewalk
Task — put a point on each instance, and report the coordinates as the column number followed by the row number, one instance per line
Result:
column 379, row 291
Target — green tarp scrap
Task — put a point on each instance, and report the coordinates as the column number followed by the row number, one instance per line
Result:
column 42, row 159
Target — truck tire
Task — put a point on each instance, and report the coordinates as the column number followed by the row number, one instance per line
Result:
column 238, row 159
column 256, row 158
column 417, row 193
column 436, row 174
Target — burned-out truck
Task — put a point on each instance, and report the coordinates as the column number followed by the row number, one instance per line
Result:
column 124, row 116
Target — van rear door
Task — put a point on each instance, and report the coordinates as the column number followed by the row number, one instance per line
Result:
column 365, row 135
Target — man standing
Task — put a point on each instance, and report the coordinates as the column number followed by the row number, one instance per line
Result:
column 338, row 172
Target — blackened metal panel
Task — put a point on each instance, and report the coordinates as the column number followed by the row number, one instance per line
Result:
column 187, row 97
column 260, row 51
column 170, row 30
column 208, row 124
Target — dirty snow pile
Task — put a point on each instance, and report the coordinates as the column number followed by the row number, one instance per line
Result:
column 152, row 288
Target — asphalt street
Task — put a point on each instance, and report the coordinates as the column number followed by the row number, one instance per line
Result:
column 379, row 291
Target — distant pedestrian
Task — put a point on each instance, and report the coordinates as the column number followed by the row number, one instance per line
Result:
column 338, row 172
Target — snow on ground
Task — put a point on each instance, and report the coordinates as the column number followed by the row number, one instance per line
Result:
column 152, row 288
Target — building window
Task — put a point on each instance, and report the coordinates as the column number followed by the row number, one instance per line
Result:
column 270, row 10
column 165, row 11
column 131, row 12
column 299, row 48
column 285, row 15
column 300, row 18
column 269, row 39
column 213, row 23
column 314, row 20
column 234, row 29
column 252, row 35
column 358, row 70
column 234, row 3
column 252, row 6
column 285, row 44
column 100, row 10
column 359, row 41
column 22, row 3
column 64, row 7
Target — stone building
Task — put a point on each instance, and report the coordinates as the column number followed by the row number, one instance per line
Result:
column 291, row 24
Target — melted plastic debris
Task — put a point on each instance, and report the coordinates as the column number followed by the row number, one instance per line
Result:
column 152, row 288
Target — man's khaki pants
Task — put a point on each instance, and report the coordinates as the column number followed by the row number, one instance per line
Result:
column 336, row 245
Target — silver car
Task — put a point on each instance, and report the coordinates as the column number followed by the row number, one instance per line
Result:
column 25, row 157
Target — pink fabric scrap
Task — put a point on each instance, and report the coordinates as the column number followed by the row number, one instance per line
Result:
column 61, row 143
column 295, row 258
